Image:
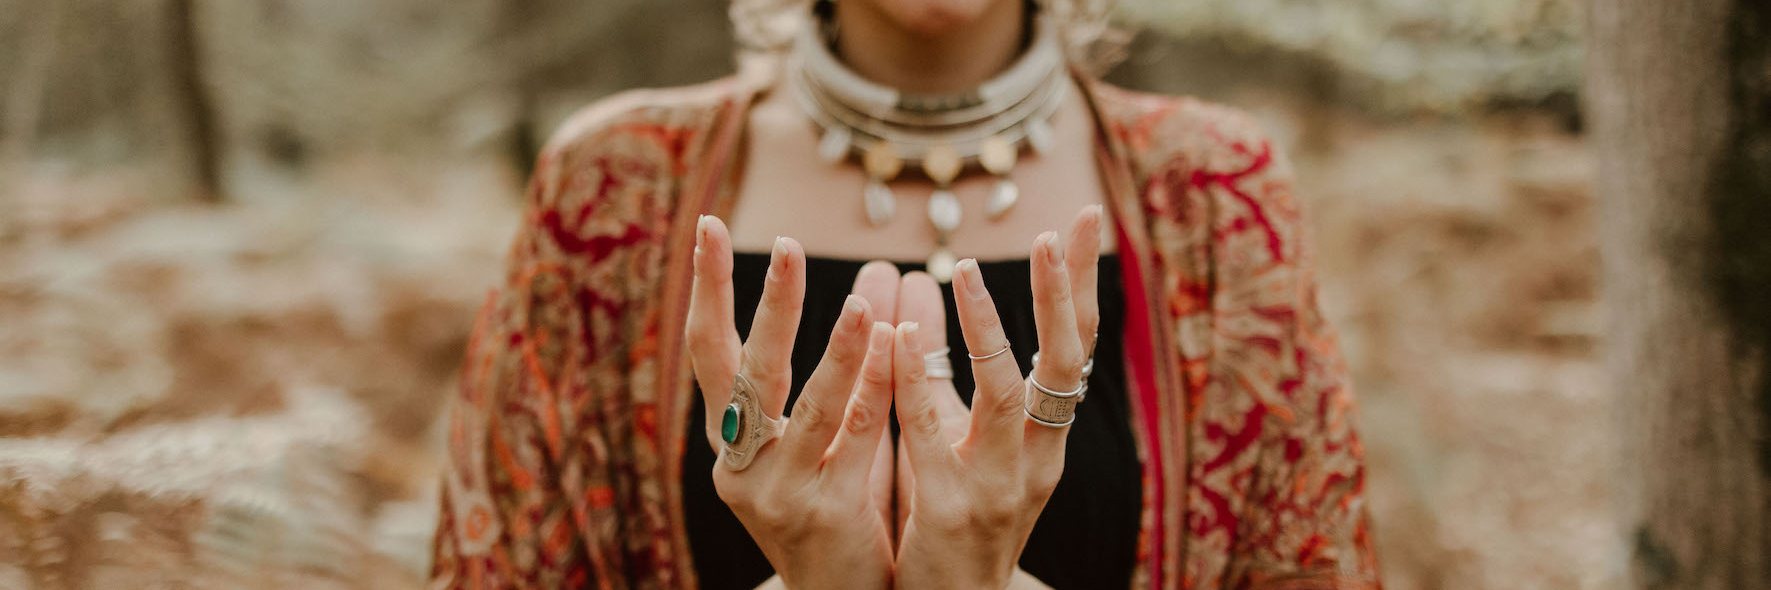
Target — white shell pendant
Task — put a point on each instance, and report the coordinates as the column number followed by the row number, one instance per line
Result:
column 835, row 145
column 1039, row 135
column 1002, row 198
column 944, row 211
column 881, row 205
column 941, row 264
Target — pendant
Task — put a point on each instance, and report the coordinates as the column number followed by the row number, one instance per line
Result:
column 944, row 211
column 1002, row 198
column 881, row 162
column 1039, row 135
column 996, row 155
column 881, row 205
column 941, row 263
column 834, row 146
column 942, row 164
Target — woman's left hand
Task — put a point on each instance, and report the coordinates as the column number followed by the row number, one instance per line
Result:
column 973, row 482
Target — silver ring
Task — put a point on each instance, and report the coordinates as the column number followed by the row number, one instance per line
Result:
column 1088, row 368
column 938, row 365
column 974, row 357
column 1056, row 409
column 744, row 427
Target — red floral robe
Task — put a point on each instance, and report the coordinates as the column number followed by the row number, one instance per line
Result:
column 566, row 442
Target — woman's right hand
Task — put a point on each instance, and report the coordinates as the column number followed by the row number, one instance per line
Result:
column 808, row 497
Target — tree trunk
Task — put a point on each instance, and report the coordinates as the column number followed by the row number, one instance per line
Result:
column 1679, row 96
column 192, row 96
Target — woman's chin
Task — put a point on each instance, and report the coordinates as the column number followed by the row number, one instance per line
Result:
column 935, row 18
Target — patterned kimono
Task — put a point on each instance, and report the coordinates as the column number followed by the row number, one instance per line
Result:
column 566, row 442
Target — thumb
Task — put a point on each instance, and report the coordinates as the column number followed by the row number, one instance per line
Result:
column 919, row 416
column 919, row 300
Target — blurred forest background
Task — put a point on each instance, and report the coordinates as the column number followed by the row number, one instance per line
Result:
column 241, row 244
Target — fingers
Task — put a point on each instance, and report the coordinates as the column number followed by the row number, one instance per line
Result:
column 1054, row 314
column 919, row 420
column 819, row 411
column 877, row 282
column 712, row 337
column 919, row 300
column 767, row 359
column 1082, row 258
column 996, row 406
column 864, row 421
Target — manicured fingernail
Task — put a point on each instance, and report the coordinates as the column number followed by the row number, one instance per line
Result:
column 881, row 338
column 974, row 282
column 852, row 309
column 777, row 258
column 1050, row 241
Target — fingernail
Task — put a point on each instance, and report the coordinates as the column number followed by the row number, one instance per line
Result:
column 974, row 281
column 910, row 336
column 777, row 258
column 851, row 308
column 881, row 338
column 1052, row 253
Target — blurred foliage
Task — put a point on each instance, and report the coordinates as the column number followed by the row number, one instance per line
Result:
column 1412, row 54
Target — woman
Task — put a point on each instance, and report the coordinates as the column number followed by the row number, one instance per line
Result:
column 1212, row 445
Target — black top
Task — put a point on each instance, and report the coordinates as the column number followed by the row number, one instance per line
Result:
column 1087, row 536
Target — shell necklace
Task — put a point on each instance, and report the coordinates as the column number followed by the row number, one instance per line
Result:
column 942, row 134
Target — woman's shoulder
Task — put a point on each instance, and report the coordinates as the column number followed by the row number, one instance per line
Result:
column 607, row 171
column 1163, row 130
column 647, row 121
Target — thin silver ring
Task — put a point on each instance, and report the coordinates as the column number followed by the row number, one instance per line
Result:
column 974, row 357
column 937, row 364
column 1088, row 368
column 1080, row 387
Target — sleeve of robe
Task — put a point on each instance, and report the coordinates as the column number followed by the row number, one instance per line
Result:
column 532, row 419
column 1303, row 522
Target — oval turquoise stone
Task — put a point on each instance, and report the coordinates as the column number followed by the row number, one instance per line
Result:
column 728, row 424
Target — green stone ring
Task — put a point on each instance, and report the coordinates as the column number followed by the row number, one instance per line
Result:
column 744, row 427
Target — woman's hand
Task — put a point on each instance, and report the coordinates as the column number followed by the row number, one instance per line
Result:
column 806, row 498
column 978, row 479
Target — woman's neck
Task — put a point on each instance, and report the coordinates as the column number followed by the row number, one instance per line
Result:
column 939, row 58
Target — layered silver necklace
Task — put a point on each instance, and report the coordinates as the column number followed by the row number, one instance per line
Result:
column 943, row 135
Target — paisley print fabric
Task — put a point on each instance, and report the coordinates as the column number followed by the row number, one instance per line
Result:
column 566, row 437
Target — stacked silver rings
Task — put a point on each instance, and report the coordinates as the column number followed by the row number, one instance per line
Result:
column 1044, row 405
column 1058, row 408
column 937, row 364
column 1050, row 407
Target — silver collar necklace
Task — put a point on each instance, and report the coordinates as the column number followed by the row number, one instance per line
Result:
column 942, row 134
